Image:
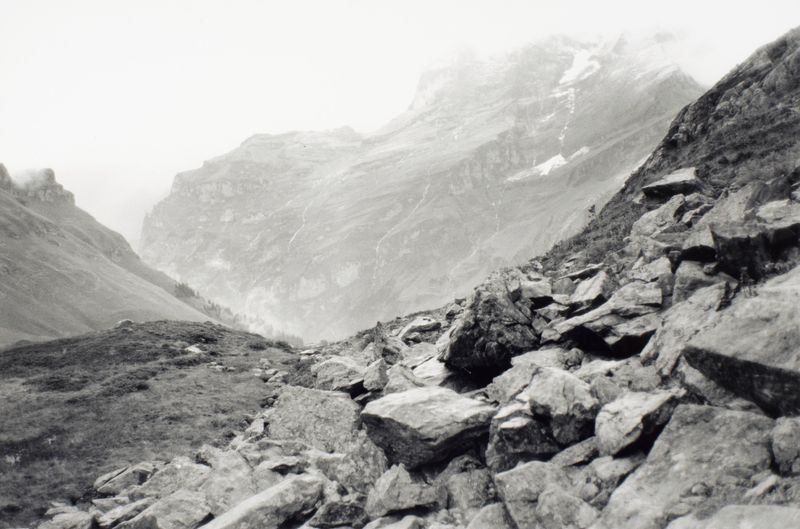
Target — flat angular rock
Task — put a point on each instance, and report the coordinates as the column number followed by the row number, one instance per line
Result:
column 683, row 181
column 273, row 507
column 507, row 385
column 231, row 479
column 326, row 420
column 632, row 415
column 357, row 469
column 180, row 473
column 182, row 509
column 129, row 477
column 752, row 348
column 426, row 424
column 123, row 513
column 592, row 291
column 421, row 324
column 397, row 490
column 538, row 293
column 339, row 373
column 375, row 376
column 704, row 457
column 663, row 219
column 73, row 519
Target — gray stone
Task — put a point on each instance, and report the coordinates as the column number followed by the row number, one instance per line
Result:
column 785, row 444
column 690, row 277
column 339, row 373
column 630, row 417
column 681, row 181
column 743, row 517
column 426, row 424
column 398, row 490
column 521, row 487
column 182, row 509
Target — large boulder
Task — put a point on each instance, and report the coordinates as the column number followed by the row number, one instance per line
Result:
column 491, row 331
column 701, row 461
column 356, row 469
column 683, row 181
column 231, row 479
column 752, row 349
column 426, row 424
column 326, row 420
column 631, row 417
column 273, row 507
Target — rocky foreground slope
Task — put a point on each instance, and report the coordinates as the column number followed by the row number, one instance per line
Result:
column 63, row 273
column 322, row 233
column 654, row 388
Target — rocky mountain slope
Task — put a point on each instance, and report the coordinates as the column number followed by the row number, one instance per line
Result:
column 494, row 161
column 655, row 388
column 63, row 273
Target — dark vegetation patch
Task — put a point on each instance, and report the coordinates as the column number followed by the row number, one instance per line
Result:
column 77, row 407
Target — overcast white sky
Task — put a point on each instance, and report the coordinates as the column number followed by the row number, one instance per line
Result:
column 118, row 96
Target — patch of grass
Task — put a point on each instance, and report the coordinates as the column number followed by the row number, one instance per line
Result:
column 73, row 409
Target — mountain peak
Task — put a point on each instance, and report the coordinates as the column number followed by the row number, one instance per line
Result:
column 35, row 184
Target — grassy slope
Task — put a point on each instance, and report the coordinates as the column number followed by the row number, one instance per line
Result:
column 74, row 408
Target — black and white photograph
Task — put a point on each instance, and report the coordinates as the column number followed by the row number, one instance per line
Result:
column 399, row 264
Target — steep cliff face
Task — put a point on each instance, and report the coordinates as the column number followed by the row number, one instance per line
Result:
column 322, row 233
column 62, row 272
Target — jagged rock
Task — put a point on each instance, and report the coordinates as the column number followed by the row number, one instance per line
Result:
column 658, row 271
column 663, row 219
column 339, row 373
column 683, row 181
column 629, row 374
column 489, row 333
column 180, row 473
column 357, row 469
column 418, row 354
column 104, row 505
column 420, row 324
column 608, row 330
column 521, row 486
column 230, row 481
column 743, row 517
column 390, row 348
column 400, row 378
column 342, row 512
column 585, row 272
column 326, row 420
column 679, row 323
column 507, row 385
column 602, row 476
column 72, row 519
column 375, row 376
column 516, row 436
column 577, row 454
column 690, row 277
column 536, row 292
column 468, row 492
column 273, row 507
column 785, row 445
column 119, row 480
column 558, row 509
column 434, row 372
column 563, row 401
column 123, row 513
column 698, row 462
column 397, row 490
column 492, row 516
column 592, row 291
column 632, row 416
column 563, row 286
column 182, row 509
column 755, row 244
column 756, row 361
column 426, row 424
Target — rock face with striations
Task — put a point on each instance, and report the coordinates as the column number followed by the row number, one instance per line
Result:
column 494, row 161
